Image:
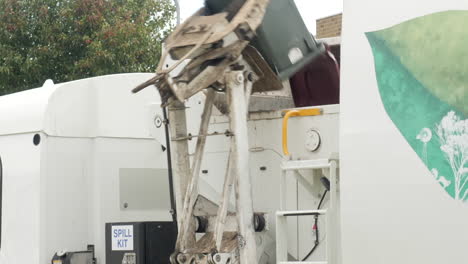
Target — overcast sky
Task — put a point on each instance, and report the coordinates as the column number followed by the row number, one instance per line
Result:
column 310, row 10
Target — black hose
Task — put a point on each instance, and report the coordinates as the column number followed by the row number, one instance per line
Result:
column 317, row 241
column 169, row 167
column 321, row 200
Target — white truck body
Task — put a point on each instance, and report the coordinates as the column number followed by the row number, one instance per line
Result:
column 100, row 149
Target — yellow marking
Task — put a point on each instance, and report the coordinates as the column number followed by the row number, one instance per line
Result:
column 292, row 113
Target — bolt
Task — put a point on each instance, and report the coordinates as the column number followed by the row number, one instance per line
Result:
column 218, row 258
column 231, row 57
column 125, row 205
column 253, row 11
column 250, row 76
column 241, row 242
column 240, row 78
column 182, row 258
column 158, row 121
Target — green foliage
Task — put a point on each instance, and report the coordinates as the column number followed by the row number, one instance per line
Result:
column 66, row 40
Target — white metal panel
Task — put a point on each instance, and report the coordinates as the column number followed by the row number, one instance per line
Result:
column 24, row 112
column 20, row 201
column 392, row 209
column 65, row 195
column 121, row 113
column 109, row 156
column 95, row 107
column 89, row 167
column 266, row 137
column 101, row 107
column 94, row 127
column 265, row 168
column 138, row 189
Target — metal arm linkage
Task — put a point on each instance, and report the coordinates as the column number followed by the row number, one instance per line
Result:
column 221, row 65
column 217, row 247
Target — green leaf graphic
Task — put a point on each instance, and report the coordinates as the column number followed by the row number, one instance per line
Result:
column 422, row 74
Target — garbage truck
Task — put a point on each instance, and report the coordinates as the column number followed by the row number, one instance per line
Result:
column 236, row 151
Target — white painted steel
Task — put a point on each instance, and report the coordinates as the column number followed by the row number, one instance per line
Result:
column 303, row 262
column 221, row 214
column 181, row 163
column 389, row 196
column 186, row 234
column 305, row 164
column 332, row 223
column 24, row 112
column 303, row 181
column 68, row 186
column 85, row 108
column 239, row 166
column 283, row 191
column 281, row 239
column 59, row 195
column 21, row 201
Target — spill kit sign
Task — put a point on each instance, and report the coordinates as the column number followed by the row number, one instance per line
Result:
column 122, row 238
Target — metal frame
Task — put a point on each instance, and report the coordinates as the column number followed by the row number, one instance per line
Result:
column 238, row 90
column 214, row 46
column 240, row 165
column 281, row 216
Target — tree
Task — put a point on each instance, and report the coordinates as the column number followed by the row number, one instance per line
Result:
column 66, row 40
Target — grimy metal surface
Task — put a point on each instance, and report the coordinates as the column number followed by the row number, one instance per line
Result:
column 214, row 44
column 244, row 249
column 223, row 206
column 192, row 189
column 181, row 163
column 240, row 166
